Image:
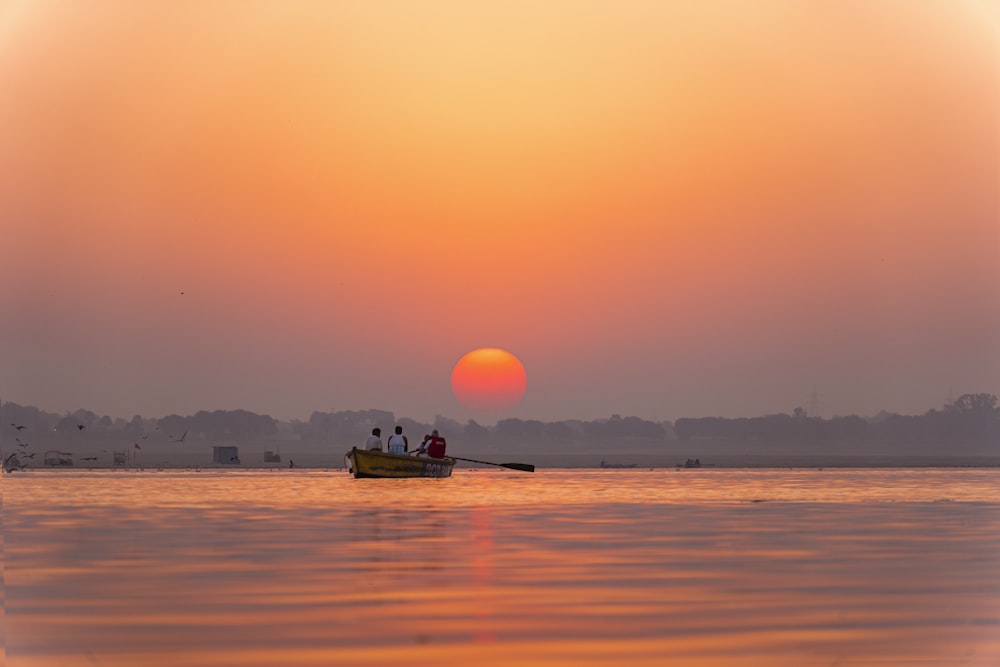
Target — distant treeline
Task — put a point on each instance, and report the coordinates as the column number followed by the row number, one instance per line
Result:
column 339, row 426
column 972, row 417
column 215, row 425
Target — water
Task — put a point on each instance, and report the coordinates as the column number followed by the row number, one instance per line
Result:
column 493, row 567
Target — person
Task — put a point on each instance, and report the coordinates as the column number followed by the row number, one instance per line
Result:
column 421, row 449
column 435, row 445
column 374, row 441
column 398, row 443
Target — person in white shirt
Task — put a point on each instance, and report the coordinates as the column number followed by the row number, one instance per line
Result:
column 398, row 444
column 374, row 441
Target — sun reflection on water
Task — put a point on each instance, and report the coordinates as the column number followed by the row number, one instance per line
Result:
column 557, row 568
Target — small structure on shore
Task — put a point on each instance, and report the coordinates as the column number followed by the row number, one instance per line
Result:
column 56, row 458
column 605, row 464
column 272, row 457
column 226, row 455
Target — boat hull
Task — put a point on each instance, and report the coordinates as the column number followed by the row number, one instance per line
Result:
column 374, row 463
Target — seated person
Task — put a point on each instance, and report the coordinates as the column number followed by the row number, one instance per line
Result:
column 398, row 444
column 374, row 441
column 435, row 445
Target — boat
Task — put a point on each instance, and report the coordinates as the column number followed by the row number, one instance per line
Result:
column 695, row 463
column 376, row 463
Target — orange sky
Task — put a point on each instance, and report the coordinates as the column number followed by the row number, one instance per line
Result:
column 663, row 208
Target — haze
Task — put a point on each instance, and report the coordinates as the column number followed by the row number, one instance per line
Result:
column 664, row 209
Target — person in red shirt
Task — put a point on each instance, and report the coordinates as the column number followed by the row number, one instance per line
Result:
column 433, row 446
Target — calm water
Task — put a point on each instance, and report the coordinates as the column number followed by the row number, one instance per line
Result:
column 492, row 567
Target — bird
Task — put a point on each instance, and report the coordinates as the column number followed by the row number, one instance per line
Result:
column 10, row 464
column 22, row 444
column 181, row 439
column 19, row 428
column 30, row 456
column 81, row 426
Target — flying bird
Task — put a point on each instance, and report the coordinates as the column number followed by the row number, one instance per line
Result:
column 81, row 426
column 181, row 439
column 19, row 428
column 30, row 456
column 10, row 464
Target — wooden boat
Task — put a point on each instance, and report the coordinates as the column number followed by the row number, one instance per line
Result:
column 375, row 463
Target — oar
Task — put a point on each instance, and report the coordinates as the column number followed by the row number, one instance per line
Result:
column 526, row 467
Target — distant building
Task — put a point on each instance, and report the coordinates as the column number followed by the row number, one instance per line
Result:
column 271, row 457
column 226, row 455
column 57, row 458
column 121, row 458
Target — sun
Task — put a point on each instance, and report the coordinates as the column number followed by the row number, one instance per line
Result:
column 489, row 380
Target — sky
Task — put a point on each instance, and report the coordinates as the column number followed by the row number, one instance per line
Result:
column 664, row 209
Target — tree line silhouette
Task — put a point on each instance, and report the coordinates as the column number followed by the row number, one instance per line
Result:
column 970, row 418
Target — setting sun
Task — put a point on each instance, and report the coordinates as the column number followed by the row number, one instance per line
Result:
column 489, row 380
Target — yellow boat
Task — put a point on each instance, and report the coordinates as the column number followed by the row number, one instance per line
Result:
column 376, row 463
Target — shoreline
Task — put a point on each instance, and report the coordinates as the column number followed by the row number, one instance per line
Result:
column 899, row 464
